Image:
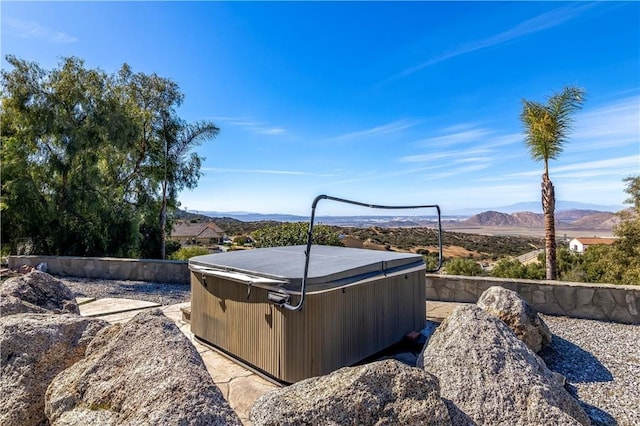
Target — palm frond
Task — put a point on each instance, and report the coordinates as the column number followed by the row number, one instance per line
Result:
column 194, row 134
column 547, row 126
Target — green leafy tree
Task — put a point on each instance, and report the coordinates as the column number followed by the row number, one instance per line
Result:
column 92, row 163
column 294, row 233
column 546, row 131
column 513, row 268
column 509, row 268
column 163, row 162
column 534, row 271
column 181, row 166
column 58, row 191
column 625, row 252
column 460, row 266
column 597, row 263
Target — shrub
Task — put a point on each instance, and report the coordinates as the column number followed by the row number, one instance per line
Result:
column 170, row 247
column 185, row 253
column 460, row 266
column 509, row 268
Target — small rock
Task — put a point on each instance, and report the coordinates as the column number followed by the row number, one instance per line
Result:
column 36, row 291
column 11, row 305
column 493, row 377
column 35, row 348
column 143, row 372
column 43, row 267
column 520, row 317
column 381, row 393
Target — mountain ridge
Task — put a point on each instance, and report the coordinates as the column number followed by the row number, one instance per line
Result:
column 574, row 218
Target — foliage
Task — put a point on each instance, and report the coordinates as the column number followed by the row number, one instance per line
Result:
column 172, row 246
column 546, row 131
column 625, row 253
column 431, row 261
column 467, row 267
column 513, row 268
column 294, row 233
column 407, row 238
column 618, row 263
column 185, row 253
column 241, row 239
column 91, row 161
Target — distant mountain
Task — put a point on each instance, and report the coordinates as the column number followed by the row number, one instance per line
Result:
column 574, row 218
column 602, row 220
column 536, row 207
column 494, row 218
column 575, row 214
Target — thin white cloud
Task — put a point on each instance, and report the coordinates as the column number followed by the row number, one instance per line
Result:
column 588, row 168
column 458, row 155
column 264, row 172
column 254, row 126
column 33, row 30
column 541, row 22
column 466, row 136
column 236, row 121
column 482, row 139
column 272, row 131
column 611, row 125
column 394, row 127
column 456, row 171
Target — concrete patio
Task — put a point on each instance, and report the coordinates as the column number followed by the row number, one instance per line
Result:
column 240, row 386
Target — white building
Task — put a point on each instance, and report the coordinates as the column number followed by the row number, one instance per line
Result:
column 581, row 244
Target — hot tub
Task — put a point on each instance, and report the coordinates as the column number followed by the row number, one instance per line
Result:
column 357, row 303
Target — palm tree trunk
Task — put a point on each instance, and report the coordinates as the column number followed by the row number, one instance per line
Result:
column 548, row 208
column 163, row 222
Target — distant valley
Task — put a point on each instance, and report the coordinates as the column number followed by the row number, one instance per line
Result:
column 571, row 222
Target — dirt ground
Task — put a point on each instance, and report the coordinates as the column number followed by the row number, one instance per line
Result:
column 561, row 232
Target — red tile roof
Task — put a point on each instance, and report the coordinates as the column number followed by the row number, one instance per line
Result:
column 595, row 241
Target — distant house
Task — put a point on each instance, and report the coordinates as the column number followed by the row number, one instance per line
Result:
column 580, row 245
column 197, row 233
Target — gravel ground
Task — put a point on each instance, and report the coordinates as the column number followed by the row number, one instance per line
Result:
column 600, row 360
column 162, row 293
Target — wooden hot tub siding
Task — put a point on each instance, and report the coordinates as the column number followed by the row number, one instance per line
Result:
column 335, row 328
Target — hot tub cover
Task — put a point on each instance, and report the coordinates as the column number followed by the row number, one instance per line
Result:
column 329, row 266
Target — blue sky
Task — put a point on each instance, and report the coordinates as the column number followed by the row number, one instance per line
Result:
column 382, row 102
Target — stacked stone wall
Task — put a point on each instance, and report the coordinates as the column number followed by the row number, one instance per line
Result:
column 110, row 268
column 605, row 302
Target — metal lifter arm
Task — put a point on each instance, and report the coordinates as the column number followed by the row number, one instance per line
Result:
column 307, row 253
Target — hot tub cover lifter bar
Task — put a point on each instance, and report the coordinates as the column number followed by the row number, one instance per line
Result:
column 283, row 300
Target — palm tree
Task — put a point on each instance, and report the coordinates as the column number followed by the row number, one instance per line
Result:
column 180, row 168
column 546, row 131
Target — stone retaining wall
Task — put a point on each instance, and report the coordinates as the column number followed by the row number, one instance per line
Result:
column 605, row 302
column 592, row 301
column 110, row 268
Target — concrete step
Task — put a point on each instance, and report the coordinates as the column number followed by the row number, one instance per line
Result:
column 186, row 314
column 110, row 306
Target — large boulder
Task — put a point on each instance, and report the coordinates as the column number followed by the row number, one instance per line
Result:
column 36, row 292
column 381, row 393
column 143, row 372
column 521, row 318
column 34, row 349
column 493, row 377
